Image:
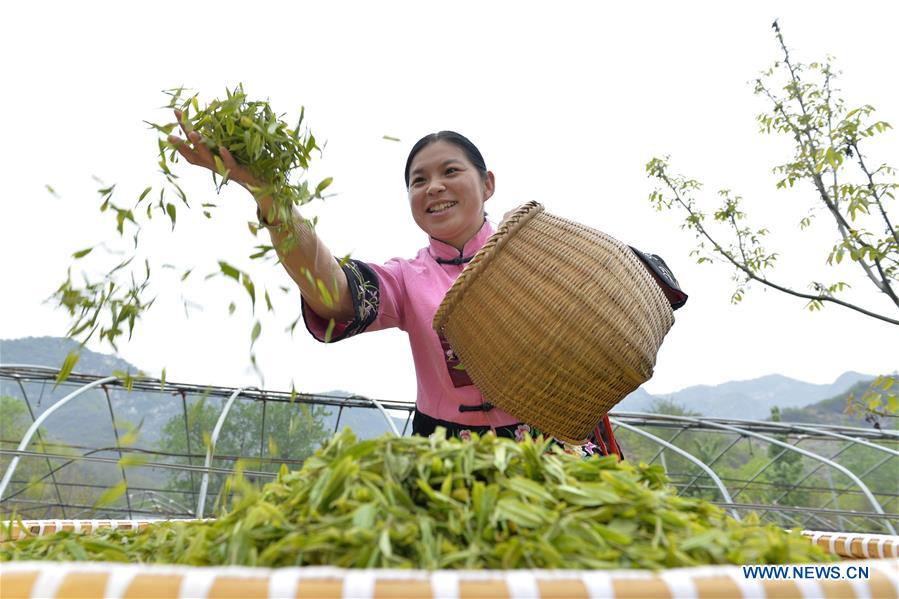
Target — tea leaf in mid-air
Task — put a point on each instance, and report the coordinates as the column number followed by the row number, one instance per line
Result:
column 144, row 194
column 132, row 460
column 111, row 495
column 250, row 287
column 323, row 185
column 130, row 437
column 171, row 211
column 66, row 369
column 229, row 271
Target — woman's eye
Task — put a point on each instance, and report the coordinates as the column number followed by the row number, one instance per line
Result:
column 451, row 170
column 417, row 180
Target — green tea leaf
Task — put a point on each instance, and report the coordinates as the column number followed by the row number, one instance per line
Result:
column 111, row 495
column 323, row 185
column 171, row 211
column 129, row 461
column 229, row 271
column 250, row 287
column 67, row 365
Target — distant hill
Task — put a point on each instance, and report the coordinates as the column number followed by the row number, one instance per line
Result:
column 833, row 411
column 751, row 399
column 88, row 417
column 51, row 351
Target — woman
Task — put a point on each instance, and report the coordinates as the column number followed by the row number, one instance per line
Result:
column 448, row 184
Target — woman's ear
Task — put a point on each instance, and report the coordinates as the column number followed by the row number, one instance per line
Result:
column 489, row 185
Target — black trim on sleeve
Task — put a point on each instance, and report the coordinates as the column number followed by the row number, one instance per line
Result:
column 364, row 289
column 664, row 277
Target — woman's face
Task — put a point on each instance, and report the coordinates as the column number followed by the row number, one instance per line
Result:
column 447, row 194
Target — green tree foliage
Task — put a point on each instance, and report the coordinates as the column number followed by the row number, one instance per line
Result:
column 14, row 420
column 292, row 432
column 879, row 400
column 14, row 423
column 786, row 466
column 665, row 405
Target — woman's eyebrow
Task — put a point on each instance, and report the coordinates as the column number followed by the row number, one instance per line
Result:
column 444, row 163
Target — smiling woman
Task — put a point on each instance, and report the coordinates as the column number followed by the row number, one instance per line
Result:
column 448, row 184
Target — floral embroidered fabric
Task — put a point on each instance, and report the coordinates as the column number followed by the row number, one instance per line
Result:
column 363, row 285
column 601, row 442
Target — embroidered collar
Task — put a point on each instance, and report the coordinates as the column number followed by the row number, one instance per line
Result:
column 445, row 253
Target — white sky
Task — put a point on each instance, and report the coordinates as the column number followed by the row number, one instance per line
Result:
column 567, row 104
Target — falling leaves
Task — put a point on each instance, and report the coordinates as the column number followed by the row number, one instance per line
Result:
column 112, row 304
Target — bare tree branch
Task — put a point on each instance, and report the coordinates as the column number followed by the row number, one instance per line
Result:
column 696, row 218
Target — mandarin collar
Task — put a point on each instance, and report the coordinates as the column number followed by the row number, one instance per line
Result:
column 445, row 251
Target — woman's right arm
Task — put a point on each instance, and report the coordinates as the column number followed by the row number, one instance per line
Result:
column 304, row 257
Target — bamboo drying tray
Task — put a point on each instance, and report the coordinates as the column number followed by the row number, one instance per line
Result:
column 64, row 580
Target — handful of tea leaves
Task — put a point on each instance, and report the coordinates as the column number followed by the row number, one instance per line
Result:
column 433, row 503
column 256, row 137
column 260, row 140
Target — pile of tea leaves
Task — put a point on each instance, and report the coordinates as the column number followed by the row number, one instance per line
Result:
column 432, row 503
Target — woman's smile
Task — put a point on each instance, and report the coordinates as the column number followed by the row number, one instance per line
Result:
column 441, row 208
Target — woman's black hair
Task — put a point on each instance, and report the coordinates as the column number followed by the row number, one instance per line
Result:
column 457, row 139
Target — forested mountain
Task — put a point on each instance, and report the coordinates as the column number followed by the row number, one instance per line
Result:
column 751, row 399
column 833, row 411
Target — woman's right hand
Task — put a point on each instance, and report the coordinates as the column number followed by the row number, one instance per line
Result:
column 308, row 260
column 198, row 153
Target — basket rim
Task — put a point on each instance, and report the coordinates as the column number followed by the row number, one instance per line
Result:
column 506, row 230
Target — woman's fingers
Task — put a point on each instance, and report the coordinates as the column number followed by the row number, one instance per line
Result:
column 238, row 173
column 196, row 152
column 179, row 117
column 184, row 149
column 202, row 150
column 228, row 159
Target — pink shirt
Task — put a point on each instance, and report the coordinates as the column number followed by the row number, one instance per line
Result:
column 405, row 294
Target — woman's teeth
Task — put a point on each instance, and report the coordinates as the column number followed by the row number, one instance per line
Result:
column 441, row 207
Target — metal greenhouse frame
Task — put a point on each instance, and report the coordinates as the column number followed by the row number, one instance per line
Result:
column 653, row 438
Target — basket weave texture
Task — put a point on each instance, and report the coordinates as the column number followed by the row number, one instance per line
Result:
column 555, row 322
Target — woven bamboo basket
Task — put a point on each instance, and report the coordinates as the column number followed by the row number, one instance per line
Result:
column 555, row 322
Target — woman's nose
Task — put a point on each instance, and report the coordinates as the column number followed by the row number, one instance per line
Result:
column 435, row 186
